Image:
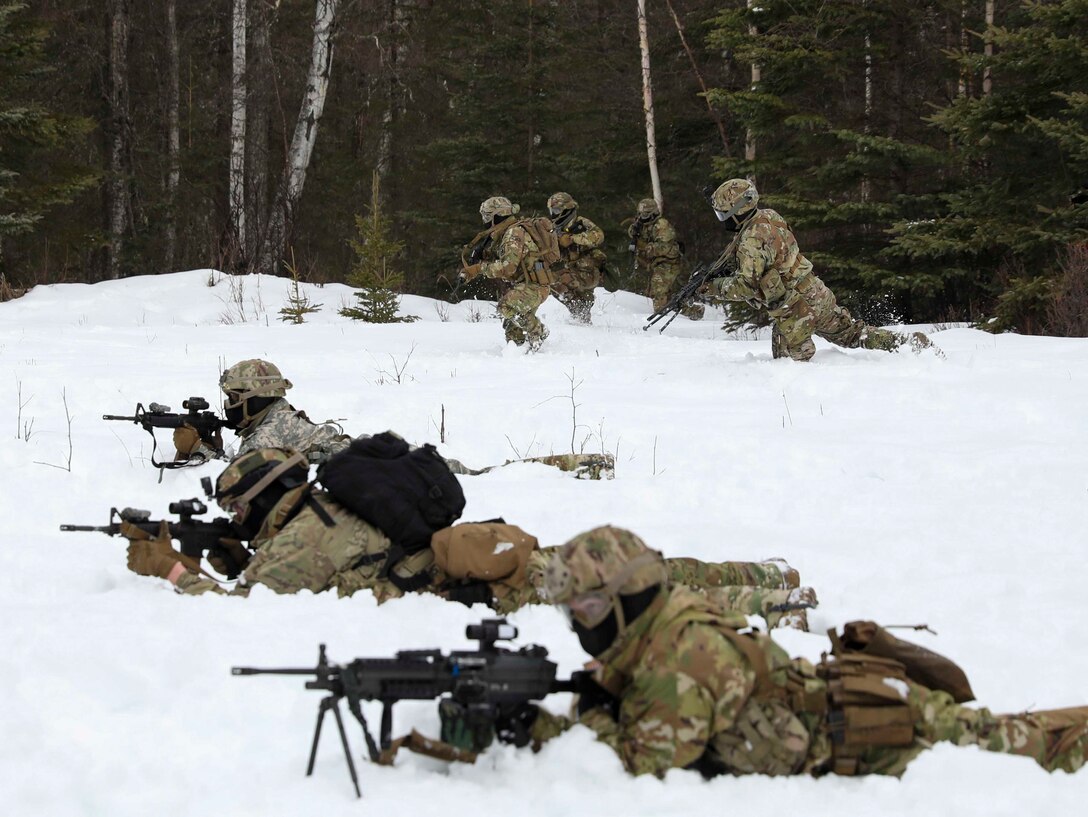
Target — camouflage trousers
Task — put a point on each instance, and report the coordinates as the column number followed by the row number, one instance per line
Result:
column 665, row 281
column 811, row 309
column 774, row 575
column 1054, row 738
column 518, row 306
column 574, row 287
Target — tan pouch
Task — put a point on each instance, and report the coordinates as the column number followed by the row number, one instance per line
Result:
column 868, row 705
column 483, row 551
column 923, row 666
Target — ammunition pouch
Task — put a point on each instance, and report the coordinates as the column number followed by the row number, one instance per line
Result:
column 541, row 274
column 868, row 707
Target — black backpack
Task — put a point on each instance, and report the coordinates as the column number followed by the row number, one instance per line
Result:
column 406, row 493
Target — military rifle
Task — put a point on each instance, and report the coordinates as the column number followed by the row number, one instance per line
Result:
column 218, row 537
column 156, row 415
column 489, row 684
column 701, row 275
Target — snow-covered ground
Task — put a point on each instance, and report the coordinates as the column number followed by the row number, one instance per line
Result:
column 906, row 489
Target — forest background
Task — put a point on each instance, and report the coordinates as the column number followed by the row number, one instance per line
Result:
column 931, row 156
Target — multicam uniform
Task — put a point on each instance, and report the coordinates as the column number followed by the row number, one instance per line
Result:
column 307, row 553
column 691, row 689
column 581, row 241
column 657, row 252
column 309, row 542
column 515, row 260
column 772, row 274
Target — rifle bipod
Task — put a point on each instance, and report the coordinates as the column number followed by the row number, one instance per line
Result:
column 333, row 702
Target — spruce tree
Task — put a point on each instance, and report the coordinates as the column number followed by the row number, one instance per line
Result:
column 373, row 271
column 1020, row 155
column 33, row 176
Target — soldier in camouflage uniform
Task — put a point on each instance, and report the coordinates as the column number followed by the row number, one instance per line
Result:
column 770, row 274
column 257, row 409
column 303, row 540
column 657, row 255
column 681, row 684
column 512, row 255
column 581, row 242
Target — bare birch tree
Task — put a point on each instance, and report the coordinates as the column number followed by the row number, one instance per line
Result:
column 118, row 207
column 648, row 104
column 173, row 134
column 237, row 181
column 281, row 219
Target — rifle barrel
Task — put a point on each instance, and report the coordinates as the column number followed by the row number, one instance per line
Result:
column 259, row 671
column 89, row 528
column 119, row 417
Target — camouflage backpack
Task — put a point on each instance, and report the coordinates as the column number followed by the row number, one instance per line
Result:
column 541, row 230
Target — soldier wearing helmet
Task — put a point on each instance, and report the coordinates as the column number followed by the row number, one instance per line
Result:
column 515, row 252
column 658, row 263
column 583, row 259
column 772, row 275
column 682, row 682
column 256, row 407
column 302, row 539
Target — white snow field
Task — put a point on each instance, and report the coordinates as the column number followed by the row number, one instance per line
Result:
column 907, row 489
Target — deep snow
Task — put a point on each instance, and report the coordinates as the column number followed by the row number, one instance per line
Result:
column 905, row 488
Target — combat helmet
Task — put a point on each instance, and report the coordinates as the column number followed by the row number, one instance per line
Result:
column 588, row 575
column 562, row 208
column 250, row 379
column 255, row 482
column 648, row 210
column 735, row 199
column 497, row 206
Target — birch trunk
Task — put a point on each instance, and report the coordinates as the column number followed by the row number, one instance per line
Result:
column 282, row 216
column 988, row 49
column 868, row 125
column 648, row 104
column 117, row 204
column 173, row 134
column 237, row 181
column 750, row 136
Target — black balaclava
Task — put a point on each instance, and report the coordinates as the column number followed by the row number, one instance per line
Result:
column 237, row 415
column 595, row 640
column 735, row 222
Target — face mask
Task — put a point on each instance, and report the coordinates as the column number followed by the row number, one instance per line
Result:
column 595, row 640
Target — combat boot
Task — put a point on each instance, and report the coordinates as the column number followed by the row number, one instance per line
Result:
column 793, row 613
column 790, row 577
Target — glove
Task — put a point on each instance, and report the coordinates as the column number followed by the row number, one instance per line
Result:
column 231, row 559
column 149, row 556
column 464, row 726
column 186, row 441
column 592, row 695
column 565, row 239
column 515, row 726
column 470, row 272
column 470, row 594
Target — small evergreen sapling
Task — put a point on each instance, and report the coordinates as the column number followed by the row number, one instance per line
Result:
column 373, row 270
column 298, row 303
